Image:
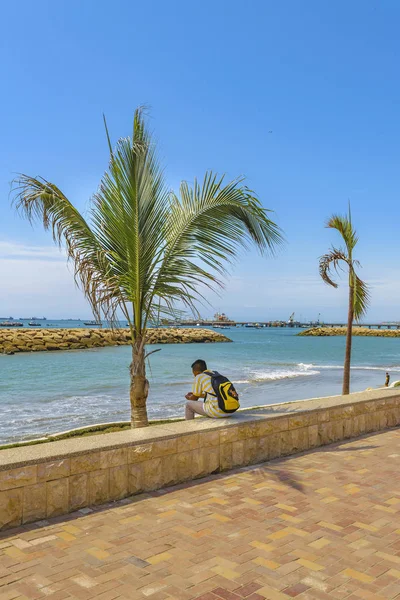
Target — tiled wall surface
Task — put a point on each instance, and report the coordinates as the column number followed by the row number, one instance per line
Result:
column 50, row 488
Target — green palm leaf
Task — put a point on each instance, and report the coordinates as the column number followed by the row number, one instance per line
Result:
column 361, row 297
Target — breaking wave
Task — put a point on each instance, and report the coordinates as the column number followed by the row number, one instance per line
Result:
column 395, row 369
column 275, row 374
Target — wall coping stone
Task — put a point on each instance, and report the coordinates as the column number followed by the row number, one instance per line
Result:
column 50, row 451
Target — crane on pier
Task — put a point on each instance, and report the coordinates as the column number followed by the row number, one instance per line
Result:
column 291, row 319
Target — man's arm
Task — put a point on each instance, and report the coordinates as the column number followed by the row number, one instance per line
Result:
column 191, row 396
column 197, row 391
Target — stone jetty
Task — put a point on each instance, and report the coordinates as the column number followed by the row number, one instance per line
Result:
column 360, row 331
column 27, row 340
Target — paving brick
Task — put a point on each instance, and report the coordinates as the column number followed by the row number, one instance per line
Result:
column 267, row 532
column 246, row 590
column 296, row 589
column 225, row 594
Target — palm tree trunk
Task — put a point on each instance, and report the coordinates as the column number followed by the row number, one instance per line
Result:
column 139, row 387
column 349, row 335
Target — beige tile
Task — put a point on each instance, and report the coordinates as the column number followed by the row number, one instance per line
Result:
column 85, row 463
column 54, row 470
column 16, row 478
column 118, row 482
column 113, row 458
column 10, row 508
column 188, row 442
column 99, row 486
column 135, row 478
column 34, row 502
column 78, row 491
column 140, row 453
column 169, row 470
column 57, row 497
column 152, row 476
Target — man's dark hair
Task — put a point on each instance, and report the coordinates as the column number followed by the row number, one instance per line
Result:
column 199, row 365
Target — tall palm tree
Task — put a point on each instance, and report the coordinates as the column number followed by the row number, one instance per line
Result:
column 142, row 249
column 358, row 289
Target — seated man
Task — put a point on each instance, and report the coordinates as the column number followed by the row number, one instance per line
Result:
column 202, row 388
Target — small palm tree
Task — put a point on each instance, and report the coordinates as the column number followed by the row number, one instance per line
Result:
column 358, row 290
column 143, row 250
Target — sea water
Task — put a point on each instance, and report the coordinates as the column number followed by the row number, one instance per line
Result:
column 46, row 392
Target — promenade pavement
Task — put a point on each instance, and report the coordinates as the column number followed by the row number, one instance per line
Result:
column 321, row 525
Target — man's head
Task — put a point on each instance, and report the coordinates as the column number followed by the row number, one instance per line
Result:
column 199, row 366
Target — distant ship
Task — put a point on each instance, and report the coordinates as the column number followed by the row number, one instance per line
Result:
column 93, row 323
column 34, row 324
column 221, row 321
column 32, row 319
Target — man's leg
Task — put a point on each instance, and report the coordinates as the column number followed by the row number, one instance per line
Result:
column 194, row 407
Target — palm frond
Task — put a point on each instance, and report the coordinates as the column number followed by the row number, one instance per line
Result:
column 331, row 261
column 361, row 296
column 204, row 230
column 344, row 226
column 40, row 200
column 214, row 220
column 129, row 212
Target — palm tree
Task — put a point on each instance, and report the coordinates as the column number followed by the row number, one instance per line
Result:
column 358, row 290
column 143, row 250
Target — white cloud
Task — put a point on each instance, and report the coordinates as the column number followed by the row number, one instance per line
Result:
column 262, row 297
column 15, row 251
column 36, row 280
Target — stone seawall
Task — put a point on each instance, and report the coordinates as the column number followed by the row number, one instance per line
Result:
column 48, row 480
column 27, row 340
column 357, row 331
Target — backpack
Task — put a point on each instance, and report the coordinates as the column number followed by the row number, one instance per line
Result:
column 227, row 396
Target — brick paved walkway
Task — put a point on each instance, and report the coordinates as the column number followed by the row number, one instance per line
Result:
column 324, row 524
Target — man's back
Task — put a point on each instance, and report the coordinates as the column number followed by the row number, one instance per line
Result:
column 202, row 387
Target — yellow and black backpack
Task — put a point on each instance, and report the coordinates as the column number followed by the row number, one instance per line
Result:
column 227, row 396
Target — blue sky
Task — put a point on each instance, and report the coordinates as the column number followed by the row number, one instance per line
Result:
column 219, row 76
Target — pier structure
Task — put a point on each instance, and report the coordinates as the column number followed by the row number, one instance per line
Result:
column 367, row 325
column 297, row 324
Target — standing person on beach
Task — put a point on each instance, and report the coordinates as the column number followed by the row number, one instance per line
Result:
column 203, row 388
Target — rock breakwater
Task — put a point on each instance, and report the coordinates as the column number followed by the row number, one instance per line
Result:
column 26, row 340
column 357, row 331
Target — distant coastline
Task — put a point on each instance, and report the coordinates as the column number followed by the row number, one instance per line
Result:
column 27, row 340
column 357, row 331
